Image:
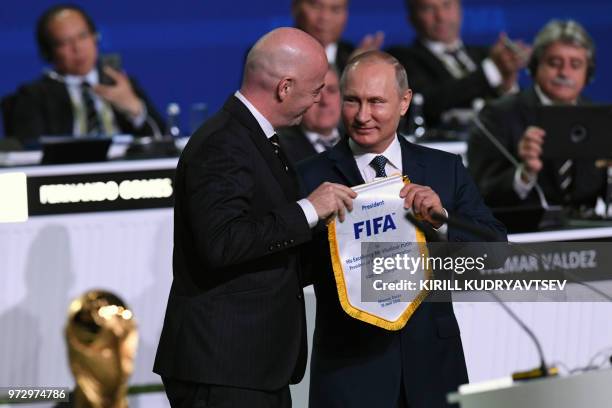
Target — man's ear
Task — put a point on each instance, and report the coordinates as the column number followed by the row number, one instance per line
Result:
column 284, row 87
column 405, row 99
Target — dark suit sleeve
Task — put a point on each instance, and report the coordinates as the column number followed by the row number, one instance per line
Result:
column 440, row 97
column 27, row 118
column 493, row 172
column 469, row 205
column 227, row 228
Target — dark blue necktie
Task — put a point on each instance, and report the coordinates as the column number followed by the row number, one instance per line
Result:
column 378, row 163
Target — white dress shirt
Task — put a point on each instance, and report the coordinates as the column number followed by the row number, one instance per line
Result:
column 393, row 154
column 309, row 211
column 105, row 112
column 439, row 49
column 317, row 140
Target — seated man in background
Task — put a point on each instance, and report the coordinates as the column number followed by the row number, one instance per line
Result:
column 325, row 20
column 70, row 99
column 318, row 131
column 561, row 64
column 450, row 75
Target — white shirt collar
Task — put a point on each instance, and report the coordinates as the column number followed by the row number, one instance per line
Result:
column 393, row 154
column 317, row 140
column 439, row 48
column 544, row 99
column 331, row 50
column 314, row 136
column 91, row 77
column 264, row 123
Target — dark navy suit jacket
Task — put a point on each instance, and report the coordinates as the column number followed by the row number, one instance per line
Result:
column 355, row 364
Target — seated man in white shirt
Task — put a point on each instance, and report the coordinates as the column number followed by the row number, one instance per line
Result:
column 561, row 65
column 70, row 98
column 453, row 77
column 318, row 131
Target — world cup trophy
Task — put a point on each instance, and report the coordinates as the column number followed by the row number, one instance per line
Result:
column 102, row 337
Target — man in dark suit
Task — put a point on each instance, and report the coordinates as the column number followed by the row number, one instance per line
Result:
column 318, row 131
column 355, row 364
column 562, row 63
column 449, row 74
column 234, row 333
column 325, row 20
column 70, row 99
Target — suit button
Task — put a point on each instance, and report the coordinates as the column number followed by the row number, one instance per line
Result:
column 300, row 296
column 271, row 248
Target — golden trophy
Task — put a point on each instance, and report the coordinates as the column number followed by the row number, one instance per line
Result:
column 102, row 337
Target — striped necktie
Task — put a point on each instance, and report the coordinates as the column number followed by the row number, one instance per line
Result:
column 92, row 120
column 274, row 140
column 454, row 54
column 566, row 178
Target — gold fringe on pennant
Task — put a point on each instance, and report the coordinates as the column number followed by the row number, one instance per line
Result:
column 341, row 284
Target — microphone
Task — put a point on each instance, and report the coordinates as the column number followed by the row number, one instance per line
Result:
column 517, row 166
column 431, row 235
column 157, row 134
column 542, row 370
column 173, row 111
column 460, row 224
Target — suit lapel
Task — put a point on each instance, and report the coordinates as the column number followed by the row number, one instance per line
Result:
column 412, row 164
column 58, row 100
column 342, row 157
column 305, row 144
column 431, row 61
column 287, row 179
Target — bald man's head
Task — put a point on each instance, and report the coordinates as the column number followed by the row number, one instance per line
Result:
column 284, row 74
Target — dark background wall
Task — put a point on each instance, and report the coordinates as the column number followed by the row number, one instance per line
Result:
column 191, row 51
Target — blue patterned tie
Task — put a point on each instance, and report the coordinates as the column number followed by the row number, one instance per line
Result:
column 378, row 163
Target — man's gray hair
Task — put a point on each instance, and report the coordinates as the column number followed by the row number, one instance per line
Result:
column 565, row 31
column 401, row 77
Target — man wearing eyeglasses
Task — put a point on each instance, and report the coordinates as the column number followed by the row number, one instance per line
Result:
column 72, row 98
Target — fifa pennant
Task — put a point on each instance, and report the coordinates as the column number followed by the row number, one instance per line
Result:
column 364, row 250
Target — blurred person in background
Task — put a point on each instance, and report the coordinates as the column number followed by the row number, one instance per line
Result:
column 563, row 62
column 318, row 131
column 325, row 20
column 78, row 96
column 451, row 75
